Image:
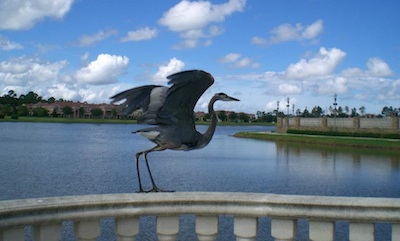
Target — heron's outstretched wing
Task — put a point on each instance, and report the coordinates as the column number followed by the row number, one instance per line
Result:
column 136, row 98
column 182, row 96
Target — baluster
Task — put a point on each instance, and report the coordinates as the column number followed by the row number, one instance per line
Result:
column 361, row 232
column 127, row 229
column 395, row 232
column 47, row 232
column 87, row 230
column 283, row 229
column 12, row 234
column 207, row 228
column 167, row 228
column 322, row 231
column 245, row 228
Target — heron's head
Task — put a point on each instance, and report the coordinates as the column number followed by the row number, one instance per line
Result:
column 224, row 97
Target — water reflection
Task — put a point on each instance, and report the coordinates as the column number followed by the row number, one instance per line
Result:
column 341, row 171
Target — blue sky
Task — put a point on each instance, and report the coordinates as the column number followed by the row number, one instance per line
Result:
column 258, row 51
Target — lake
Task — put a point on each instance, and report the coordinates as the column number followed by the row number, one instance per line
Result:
column 54, row 159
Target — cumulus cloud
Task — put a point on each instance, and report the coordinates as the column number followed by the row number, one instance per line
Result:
column 235, row 60
column 378, row 68
column 64, row 91
column 104, row 70
column 174, row 65
column 24, row 71
column 6, row 44
column 287, row 32
column 190, row 19
column 140, row 35
column 24, row 14
column 334, row 85
column 323, row 63
column 87, row 40
column 289, row 89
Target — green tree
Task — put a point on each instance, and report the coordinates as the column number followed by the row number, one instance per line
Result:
column 362, row 110
column 317, row 111
column 40, row 112
column 51, row 100
column 222, row 115
column 97, row 113
column 244, row 117
column 233, row 116
column 81, row 112
column 353, row 112
column 67, row 111
column 23, row 110
column 306, row 113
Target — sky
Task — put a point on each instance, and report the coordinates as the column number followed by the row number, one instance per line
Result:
column 260, row 52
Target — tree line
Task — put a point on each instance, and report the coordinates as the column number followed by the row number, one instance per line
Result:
column 12, row 104
column 317, row 111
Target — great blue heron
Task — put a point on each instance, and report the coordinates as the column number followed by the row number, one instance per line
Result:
column 171, row 109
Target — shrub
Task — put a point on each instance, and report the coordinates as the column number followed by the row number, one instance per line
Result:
column 14, row 117
column 349, row 134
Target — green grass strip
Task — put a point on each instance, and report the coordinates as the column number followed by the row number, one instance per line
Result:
column 358, row 142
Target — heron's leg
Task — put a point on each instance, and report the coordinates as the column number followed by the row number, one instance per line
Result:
column 155, row 188
column 138, row 172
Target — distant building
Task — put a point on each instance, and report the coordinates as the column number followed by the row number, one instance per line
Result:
column 79, row 110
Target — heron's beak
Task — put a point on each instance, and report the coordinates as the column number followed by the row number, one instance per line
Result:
column 231, row 99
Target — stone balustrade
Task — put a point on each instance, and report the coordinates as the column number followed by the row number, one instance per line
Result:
column 44, row 216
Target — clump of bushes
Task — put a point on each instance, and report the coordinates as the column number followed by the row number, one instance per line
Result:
column 348, row 134
column 14, row 117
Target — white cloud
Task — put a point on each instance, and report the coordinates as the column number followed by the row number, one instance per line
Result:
column 258, row 40
column 335, row 85
column 191, row 18
column 324, row 63
column 235, row 60
column 289, row 89
column 62, row 90
column 24, row 14
column 174, row 65
column 6, row 44
column 25, row 71
column 140, row 35
column 104, row 70
column 87, row 40
column 231, row 57
column 378, row 68
column 287, row 32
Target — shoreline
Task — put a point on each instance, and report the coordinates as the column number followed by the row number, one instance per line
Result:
column 112, row 121
column 333, row 141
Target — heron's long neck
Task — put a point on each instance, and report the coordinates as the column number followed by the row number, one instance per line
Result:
column 214, row 120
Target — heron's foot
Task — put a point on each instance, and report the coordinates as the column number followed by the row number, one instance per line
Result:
column 156, row 189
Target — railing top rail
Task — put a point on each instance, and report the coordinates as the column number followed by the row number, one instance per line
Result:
column 57, row 209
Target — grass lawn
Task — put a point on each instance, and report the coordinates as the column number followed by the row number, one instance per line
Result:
column 370, row 143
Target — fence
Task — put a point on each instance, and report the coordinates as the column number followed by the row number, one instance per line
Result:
column 356, row 124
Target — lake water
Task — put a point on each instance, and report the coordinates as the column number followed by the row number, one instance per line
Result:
column 46, row 159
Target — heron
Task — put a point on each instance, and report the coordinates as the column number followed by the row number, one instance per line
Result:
column 171, row 111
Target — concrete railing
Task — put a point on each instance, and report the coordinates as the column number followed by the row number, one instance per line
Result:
column 44, row 216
